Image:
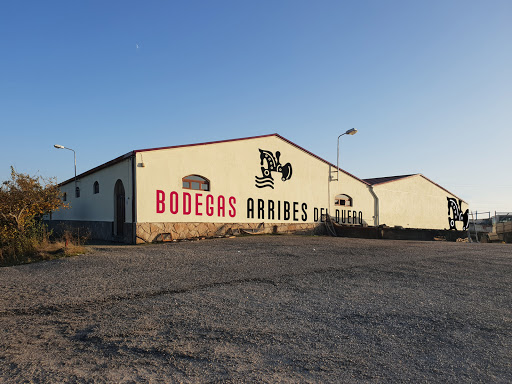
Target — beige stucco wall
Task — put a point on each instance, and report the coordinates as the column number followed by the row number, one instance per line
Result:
column 231, row 168
column 414, row 202
column 100, row 206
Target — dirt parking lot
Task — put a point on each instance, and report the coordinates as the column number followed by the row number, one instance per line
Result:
column 261, row 309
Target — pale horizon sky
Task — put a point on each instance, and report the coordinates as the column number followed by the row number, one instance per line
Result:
column 427, row 84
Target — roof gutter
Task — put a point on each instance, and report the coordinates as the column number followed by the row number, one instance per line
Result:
column 375, row 206
column 134, row 197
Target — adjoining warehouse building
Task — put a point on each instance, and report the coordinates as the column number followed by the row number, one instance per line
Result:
column 263, row 183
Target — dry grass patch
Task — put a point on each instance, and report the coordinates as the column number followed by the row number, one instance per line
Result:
column 41, row 252
column 59, row 249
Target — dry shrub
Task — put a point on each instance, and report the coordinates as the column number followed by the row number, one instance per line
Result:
column 76, row 236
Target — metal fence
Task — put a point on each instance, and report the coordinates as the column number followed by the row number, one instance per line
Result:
column 502, row 217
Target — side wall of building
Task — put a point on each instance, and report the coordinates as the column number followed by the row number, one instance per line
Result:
column 415, row 202
column 96, row 211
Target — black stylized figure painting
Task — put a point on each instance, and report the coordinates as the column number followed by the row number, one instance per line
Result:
column 457, row 214
column 270, row 163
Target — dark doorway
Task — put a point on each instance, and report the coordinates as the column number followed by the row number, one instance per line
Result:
column 119, row 208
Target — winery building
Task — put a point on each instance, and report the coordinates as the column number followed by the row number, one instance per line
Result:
column 257, row 184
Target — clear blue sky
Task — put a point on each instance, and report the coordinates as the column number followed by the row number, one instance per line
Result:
column 428, row 84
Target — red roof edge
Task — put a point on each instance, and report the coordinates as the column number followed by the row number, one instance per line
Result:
column 99, row 167
column 249, row 138
column 444, row 189
column 134, row 152
column 319, row 158
column 396, row 178
column 205, row 143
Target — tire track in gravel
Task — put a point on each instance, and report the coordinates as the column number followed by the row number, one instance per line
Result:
column 47, row 310
column 77, row 307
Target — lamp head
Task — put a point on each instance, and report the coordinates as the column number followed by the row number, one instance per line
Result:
column 351, row 131
column 58, row 146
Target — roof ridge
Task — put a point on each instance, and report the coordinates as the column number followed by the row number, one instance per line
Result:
column 204, row 143
column 134, row 152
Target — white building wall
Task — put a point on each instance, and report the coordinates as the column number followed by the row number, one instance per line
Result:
column 98, row 207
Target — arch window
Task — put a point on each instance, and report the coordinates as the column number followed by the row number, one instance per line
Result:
column 96, row 188
column 64, row 196
column 343, row 200
column 196, row 182
column 77, row 192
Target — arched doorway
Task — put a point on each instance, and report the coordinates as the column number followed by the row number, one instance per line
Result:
column 119, row 208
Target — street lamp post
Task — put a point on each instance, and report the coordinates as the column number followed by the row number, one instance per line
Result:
column 351, row 131
column 74, row 156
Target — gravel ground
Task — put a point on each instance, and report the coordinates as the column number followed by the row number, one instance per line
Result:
column 261, row 309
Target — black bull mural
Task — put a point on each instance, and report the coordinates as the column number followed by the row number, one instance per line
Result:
column 457, row 215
